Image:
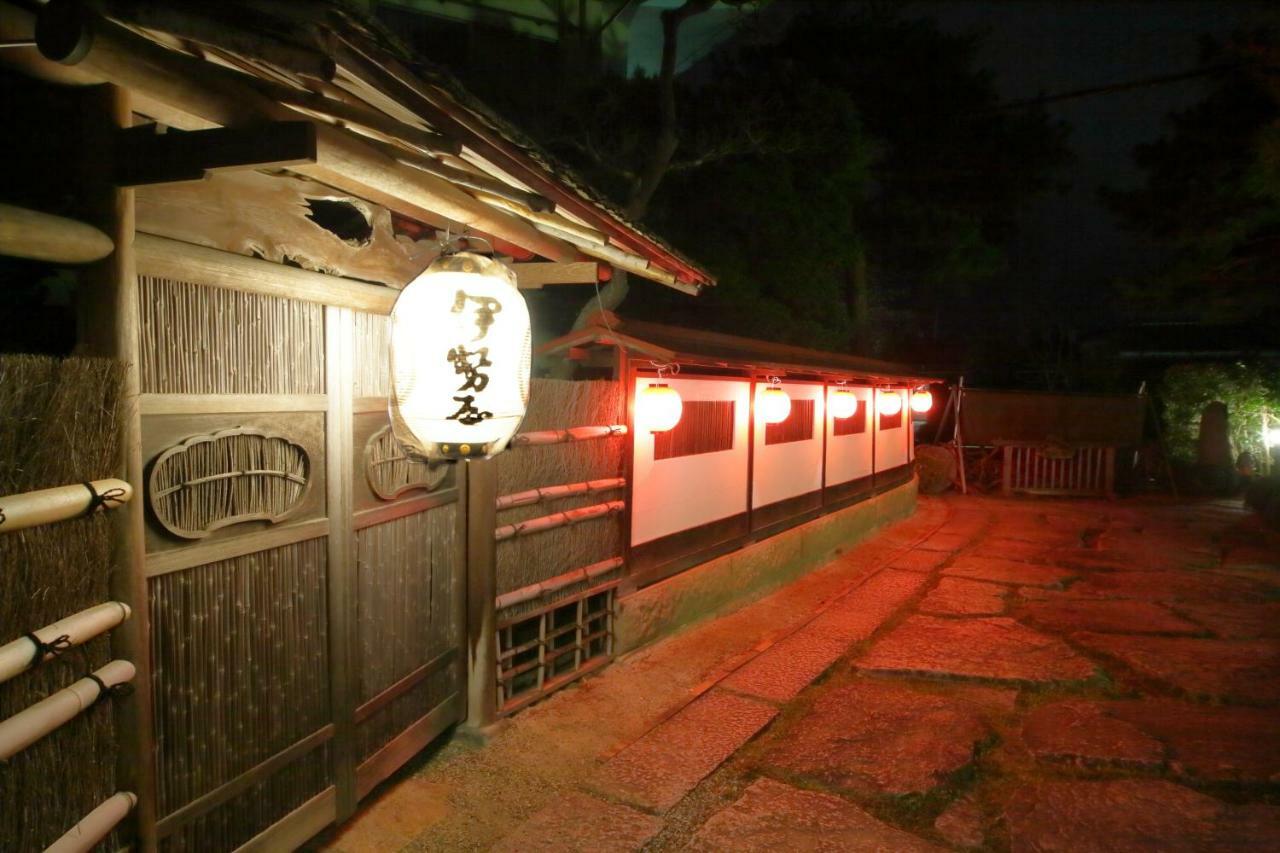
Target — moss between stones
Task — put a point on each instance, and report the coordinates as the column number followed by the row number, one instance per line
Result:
column 728, row 582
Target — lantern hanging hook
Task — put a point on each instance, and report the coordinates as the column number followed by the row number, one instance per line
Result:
column 665, row 367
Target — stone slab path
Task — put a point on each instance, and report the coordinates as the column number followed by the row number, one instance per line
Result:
column 1033, row 675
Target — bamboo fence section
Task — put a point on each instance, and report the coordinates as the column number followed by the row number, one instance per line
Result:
column 563, row 436
column 26, row 727
column 96, row 825
column 549, row 493
column 208, row 340
column 558, row 519
column 22, row 654
column 46, row 506
column 537, row 590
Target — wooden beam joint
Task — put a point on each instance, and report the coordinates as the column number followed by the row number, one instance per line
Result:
column 152, row 154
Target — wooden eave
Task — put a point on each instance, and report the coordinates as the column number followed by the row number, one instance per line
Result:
column 385, row 133
column 712, row 350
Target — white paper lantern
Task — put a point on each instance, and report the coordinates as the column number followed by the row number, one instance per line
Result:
column 921, row 401
column 659, row 408
column 888, row 402
column 460, row 359
column 774, row 405
column 843, row 403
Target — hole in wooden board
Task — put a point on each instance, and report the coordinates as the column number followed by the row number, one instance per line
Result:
column 341, row 218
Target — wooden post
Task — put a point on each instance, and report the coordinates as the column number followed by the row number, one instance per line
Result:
column 339, row 333
column 477, row 505
column 109, row 326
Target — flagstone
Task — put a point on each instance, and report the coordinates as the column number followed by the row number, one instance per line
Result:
column 1008, row 571
column 880, row 737
column 771, row 817
column 1066, row 615
column 1243, row 670
column 994, row 648
column 957, row 597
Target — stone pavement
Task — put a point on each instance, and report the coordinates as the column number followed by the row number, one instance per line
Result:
column 1033, row 675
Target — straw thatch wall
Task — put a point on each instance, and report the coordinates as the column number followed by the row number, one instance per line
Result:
column 58, row 425
column 560, row 404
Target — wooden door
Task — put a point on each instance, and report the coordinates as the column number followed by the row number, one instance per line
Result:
column 304, row 590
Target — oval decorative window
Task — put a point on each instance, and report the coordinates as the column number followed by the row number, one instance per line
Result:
column 230, row 477
column 391, row 472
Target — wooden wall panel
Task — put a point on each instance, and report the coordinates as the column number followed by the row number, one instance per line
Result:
column 240, row 657
column 306, row 429
column 208, row 340
column 406, row 581
column 372, row 357
column 246, row 814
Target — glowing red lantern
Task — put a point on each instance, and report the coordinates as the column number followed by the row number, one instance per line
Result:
column 888, row 402
column 921, row 401
column 843, row 403
column 773, row 405
column 659, row 408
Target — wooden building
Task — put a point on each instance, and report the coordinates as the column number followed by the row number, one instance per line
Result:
column 243, row 187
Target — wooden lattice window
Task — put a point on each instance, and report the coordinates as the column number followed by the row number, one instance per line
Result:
column 891, row 421
column 706, row 426
column 797, row 427
column 542, row 652
column 855, row 424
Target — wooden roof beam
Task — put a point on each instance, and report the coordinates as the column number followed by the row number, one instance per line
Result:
column 113, row 54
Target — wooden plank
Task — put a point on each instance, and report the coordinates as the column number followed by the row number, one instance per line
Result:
column 206, row 803
column 339, row 463
column 145, row 155
column 44, row 237
column 407, row 744
column 296, row 828
column 533, row 275
column 163, row 562
column 202, row 404
column 109, row 326
column 165, row 258
column 270, row 217
column 399, row 509
column 404, row 685
column 368, row 405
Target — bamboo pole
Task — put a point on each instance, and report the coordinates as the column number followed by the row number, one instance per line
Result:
column 585, row 573
column 96, row 825
column 564, row 436
column 548, row 493
column 164, row 258
column 44, row 237
column 20, row 655
column 28, row 726
column 557, row 519
column 46, row 506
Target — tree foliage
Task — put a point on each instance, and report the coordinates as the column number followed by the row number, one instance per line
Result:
column 1247, row 390
column 1212, row 193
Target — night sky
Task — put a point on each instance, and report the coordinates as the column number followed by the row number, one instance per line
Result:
column 1071, row 246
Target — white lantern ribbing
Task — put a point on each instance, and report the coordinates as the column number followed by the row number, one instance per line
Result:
column 460, row 359
column 888, row 402
column 921, row 401
column 774, row 405
column 659, row 408
column 843, row 403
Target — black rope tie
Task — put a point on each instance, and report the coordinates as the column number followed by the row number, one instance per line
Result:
column 115, row 691
column 108, row 499
column 53, row 648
